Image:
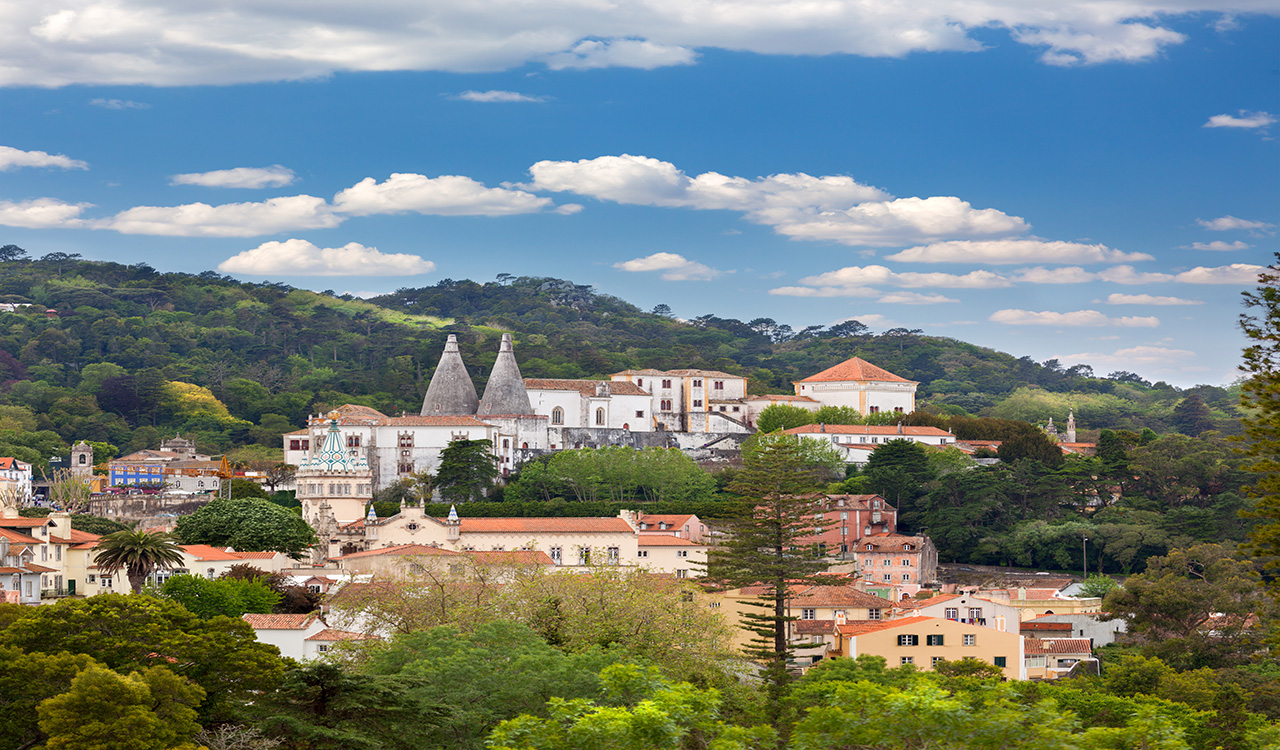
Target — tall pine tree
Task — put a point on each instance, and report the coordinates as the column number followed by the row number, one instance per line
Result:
column 1260, row 397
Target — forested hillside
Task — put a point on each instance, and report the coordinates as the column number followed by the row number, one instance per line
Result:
column 129, row 353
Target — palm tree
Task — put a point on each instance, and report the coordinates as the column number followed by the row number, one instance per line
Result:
column 138, row 552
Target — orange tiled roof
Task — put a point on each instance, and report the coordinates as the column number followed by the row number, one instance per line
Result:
column 1044, row 646
column 7, row 463
column 813, row 627
column 671, row 519
column 544, row 525
column 206, row 552
column 331, row 634
column 356, row 524
column 75, row 536
column 857, row 502
column 854, row 369
column 520, row 556
column 1037, row 626
column 866, row 429
column 838, row 596
column 891, row 543
column 40, row 569
column 400, row 550
column 779, row 397
column 14, row 536
column 256, row 555
column 278, row 622
column 666, row 540
column 585, row 387
column 860, row 627
column 22, row 522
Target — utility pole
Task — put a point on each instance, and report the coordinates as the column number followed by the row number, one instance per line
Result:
column 1084, row 558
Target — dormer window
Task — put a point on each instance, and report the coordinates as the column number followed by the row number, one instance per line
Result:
column 869, row 547
column 907, row 547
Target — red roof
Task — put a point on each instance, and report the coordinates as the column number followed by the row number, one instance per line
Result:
column 519, row 556
column 7, row 463
column 891, row 543
column 866, row 429
column 544, row 525
column 206, row 552
column 813, row 627
column 838, row 596
column 859, row 627
column 854, row 369
column 666, row 540
column 400, row 550
column 23, row 523
column 1044, row 646
column 330, row 634
column 256, row 555
column 278, row 622
column 1037, row 626
column 14, row 536
column 75, row 536
column 585, row 387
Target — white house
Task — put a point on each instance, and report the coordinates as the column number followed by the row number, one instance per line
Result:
column 300, row 637
column 858, row 384
column 590, row 403
column 692, row 400
column 855, row 442
column 15, row 482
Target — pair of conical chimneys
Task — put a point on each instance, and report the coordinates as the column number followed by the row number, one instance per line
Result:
column 452, row 393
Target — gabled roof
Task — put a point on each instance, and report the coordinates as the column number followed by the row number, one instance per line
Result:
column 813, row 627
column 8, row 463
column 891, row 542
column 705, row 374
column 14, row 536
column 22, row 522
column 855, row 369
column 666, row 540
column 75, row 536
column 860, row 627
column 838, row 596
column 331, row 634
column 671, row 519
column 400, row 550
column 204, row 552
column 278, row 622
column 257, row 555
column 1044, row 646
column 779, row 397
column 585, row 387
column 544, row 525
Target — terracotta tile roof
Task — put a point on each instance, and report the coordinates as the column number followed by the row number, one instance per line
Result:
column 86, row 545
column 356, row 524
column 440, row 421
column 857, row 502
column 23, row 522
column 75, row 537
column 7, row 463
column 256, row 555
column 511, row 556
column 918, row 603
column 278, row 622
column 15, row 571
column 813, row 627
column 838, row 596
column 860, row 627
column 303, row 432
column 866, row 429
column 1045, row 626
column 544, row 525
column 890, row 543
column 666, row 540
column 204, row 552
column 854, row 369
column 40, row 568
column 356, row 410
column 779, row 397
column 1044, row 646
column 650, row 371
column 146, row 454
column 331, row 634
column 585, row 387
column 704, row 374
column 14, row 536
column 400, row 550
column 677, row 520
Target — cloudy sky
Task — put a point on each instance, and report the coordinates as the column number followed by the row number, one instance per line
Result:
column 1095, row 182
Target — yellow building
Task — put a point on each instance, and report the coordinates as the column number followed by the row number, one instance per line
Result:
column 926, row 641
column 814, row 607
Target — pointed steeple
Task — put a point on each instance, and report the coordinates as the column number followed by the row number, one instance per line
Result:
column 453, row 515
column 451, row 392
column 1071, row 426
column 372, row 517
column 505, row 392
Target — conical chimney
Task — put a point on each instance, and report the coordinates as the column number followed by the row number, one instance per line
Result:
column 505, row 393
column 451, row 392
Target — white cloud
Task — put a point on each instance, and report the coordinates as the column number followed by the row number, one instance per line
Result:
column 997, row 252
column 674, row 267
column 1068, row 319
column 239, row 177
column 856, row 276
column 1229, row 223
column 301, row 258
column 1127, row 275
column 621, row 53
column 1148, row 299
column 1042, row 275
column 870, row 319
column 1135, row 355
column 447, row 195
column 1220, row 245
column 228, row 220
column 12, row 158
column 825, row 291
column 914, row 298
column 498, row 97
column 796, row 205
column 149, row 43
column 1246, row 119
column 41, row 213
column 1239, row 274
column 118, row 104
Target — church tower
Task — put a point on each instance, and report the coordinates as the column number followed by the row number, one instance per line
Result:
column 331, row 482
column 451, row 392
column 82, row 460
column 1071, row 426
column 505, row 392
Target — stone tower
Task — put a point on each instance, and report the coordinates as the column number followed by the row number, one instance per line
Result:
column 1071, row 426
column 451, row 392
column 331, row 482
column 82, row 460
column 505, row 393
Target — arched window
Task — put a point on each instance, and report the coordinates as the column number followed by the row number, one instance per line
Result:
column 524, row 445
column 83, row 458
column 600, row 415
column 506, row 443
column 557, row 416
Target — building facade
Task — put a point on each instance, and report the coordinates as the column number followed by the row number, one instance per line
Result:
column 858, row 384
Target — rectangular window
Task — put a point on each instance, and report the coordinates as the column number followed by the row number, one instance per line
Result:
column 898, row 409
column 92, row 577
column 682, row 574
column 888, row 577
column 908, row 640
column 697, row 402
column 322, row 648
column 886, row 562
column 874, row 410
column 665, row 404
column 999, row 661
column 907, row 660
column 718, row 385
column 584, row 556
column 935, row 661
column 975, row 613
column 639, row 415
column 933, row 640
column 970, row 639
column 555, row 555
column 642, row 553
column 682, row 553
column 906, row 563
column 906, row 577
column 295, row 445
column 873, row 614
column 57, row 553
column 808, row 614
column 951, row 613
column 613, row 555
column 353, row 441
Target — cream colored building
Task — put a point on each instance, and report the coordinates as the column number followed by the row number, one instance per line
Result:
column 925, row 641
column 692, row 400
column 1051, row 658
column 1033, row 602
column 858, row 384
column 823, row 605
column 419, row 559
column 967, row 608
column 672, row 555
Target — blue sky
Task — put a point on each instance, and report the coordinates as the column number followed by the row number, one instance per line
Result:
column 1091, row 182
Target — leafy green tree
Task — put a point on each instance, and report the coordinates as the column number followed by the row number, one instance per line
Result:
column 467, row 470
column 245, row 488
column 26, row 681
column 229, row 597
column 1196, row 607
column 104, row 710
column 768, row 547
column 1260, row 397
column 247, row 524
column 132, row 633
column 783, row 417
column 139, row 553
column 1097, row 586
column 1036, row 446
column 1191, row 416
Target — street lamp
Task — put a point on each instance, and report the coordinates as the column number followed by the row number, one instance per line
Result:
column 1084, row 557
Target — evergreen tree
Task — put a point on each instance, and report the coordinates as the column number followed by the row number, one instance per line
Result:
column 770, row 547
column 1191, row 416
column 1261, row 398
column 467, row 470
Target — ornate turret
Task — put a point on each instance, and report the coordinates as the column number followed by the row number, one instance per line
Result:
column 505, row 392
column 1071, row 426
column 453, row 525
column 451, row 392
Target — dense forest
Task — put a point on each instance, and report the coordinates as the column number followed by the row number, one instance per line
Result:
column 122, row 355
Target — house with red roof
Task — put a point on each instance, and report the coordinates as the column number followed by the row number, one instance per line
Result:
column 300, row 637
column 858, row 384
column 1048, row 657
column 15, row 481
column 927, row 641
